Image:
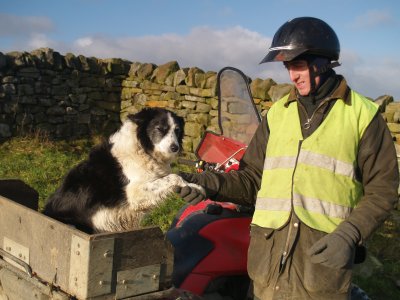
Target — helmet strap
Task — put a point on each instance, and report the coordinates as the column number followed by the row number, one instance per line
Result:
column 323, row 69
column 319, row 71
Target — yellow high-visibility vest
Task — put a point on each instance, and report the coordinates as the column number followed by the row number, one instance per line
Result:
column 314, row 177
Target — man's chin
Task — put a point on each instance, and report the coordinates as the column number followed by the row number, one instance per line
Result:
column 303, row 92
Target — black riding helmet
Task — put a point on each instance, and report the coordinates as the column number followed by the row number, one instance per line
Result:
column 306, row 38
column 304, row 35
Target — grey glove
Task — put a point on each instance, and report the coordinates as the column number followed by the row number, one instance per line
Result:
column 189, row 194
column 336, row 249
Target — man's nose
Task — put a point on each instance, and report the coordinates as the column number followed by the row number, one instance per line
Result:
column 293, row 75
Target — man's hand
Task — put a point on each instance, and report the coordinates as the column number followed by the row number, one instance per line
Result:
column 335, row 250
column 190, row 194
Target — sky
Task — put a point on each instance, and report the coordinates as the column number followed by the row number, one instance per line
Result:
column 209, row 34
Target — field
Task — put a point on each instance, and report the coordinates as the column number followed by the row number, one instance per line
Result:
column 42, row 164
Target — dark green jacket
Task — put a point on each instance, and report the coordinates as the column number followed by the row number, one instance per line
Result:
column 377, row 168
column 277, row 260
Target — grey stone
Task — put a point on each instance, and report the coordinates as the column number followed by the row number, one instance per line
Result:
column 193, row 129
column 383, row 101
column 145, row 71
column 5, row 131
column 24, row 119
column 56, row 111
column 3, row 61
column 179, row 76
column 277, row 91
column 259, row 88
column 190, row 79
column 203, row 107
column 8, row 88
column 134, row 67
column 162, row 72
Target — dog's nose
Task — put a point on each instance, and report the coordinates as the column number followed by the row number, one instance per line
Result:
column 174, row 148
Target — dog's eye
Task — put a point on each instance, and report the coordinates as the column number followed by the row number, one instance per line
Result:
column 160, row 129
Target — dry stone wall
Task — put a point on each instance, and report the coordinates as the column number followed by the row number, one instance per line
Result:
column 66, row 96
column 73, row 96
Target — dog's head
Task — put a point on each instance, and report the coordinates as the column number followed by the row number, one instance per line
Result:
column 159, row 131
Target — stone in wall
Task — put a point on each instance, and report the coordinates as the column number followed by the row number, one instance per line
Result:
column 383, row 101
column 277, row 91
column 161, row 73
column 190, row 79
column 5, row 131
column 259, row 88
column 145, row 71
column 179, row 76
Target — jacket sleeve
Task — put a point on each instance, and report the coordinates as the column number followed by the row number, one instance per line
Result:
column 241, row 186
column 377, row 162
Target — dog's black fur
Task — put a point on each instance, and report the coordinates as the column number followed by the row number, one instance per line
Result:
column 98, row 177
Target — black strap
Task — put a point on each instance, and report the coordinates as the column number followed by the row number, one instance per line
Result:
column 325, row 68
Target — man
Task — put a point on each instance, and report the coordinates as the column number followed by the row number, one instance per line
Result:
column 321, row 170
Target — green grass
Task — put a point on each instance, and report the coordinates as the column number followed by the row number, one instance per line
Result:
column 164, row 214
column 385, row 246
column 42, row 164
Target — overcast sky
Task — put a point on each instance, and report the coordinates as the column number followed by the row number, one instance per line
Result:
column 209, row 34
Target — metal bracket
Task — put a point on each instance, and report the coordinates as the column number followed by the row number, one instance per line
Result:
column 138, row 281
column 16, row 255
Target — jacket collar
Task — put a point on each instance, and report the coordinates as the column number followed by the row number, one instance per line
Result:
column 341, row 92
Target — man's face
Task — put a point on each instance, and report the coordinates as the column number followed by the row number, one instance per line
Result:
column 300, row 75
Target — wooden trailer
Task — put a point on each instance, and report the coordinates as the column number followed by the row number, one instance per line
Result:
column 41, row 258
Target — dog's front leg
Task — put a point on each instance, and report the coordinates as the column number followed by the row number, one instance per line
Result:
column 153, row 192
column 165, row 185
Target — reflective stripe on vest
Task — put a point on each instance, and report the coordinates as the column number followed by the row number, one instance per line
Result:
column 314, row 177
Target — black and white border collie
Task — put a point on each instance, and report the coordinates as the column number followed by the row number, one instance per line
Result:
column 123, row 178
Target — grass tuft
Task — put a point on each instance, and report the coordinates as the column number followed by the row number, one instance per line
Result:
column 40, row 162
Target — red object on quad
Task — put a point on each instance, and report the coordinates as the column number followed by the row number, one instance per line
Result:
column 211, row 241
column 211, row 238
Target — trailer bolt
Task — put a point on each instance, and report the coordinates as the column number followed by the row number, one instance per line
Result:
column 77, row 253
column 8, row 248
column 154, row 277
column 101, row 282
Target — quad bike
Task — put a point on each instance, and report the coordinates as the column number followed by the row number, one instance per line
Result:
column 211, row 238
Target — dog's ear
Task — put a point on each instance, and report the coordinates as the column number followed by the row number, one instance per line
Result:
column 181, row 123
column 140, row 117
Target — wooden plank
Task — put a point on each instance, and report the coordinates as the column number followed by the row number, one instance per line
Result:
column 140, row 248
column 91, row 266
